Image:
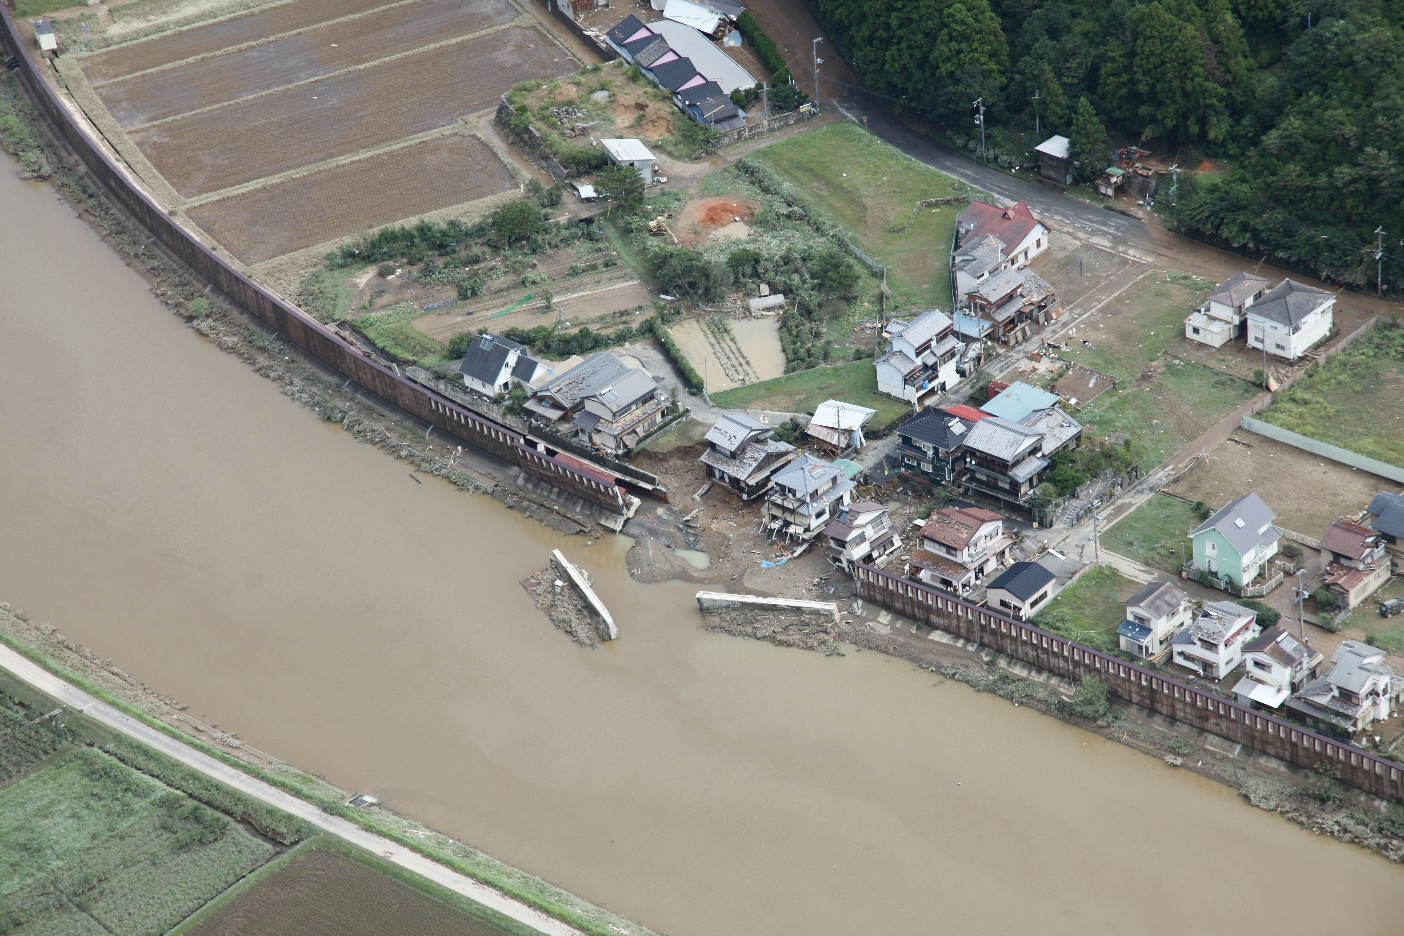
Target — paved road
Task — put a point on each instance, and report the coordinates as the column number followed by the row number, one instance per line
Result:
column 81, row 701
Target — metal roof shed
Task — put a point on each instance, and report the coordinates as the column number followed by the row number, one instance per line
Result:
column 631, row 153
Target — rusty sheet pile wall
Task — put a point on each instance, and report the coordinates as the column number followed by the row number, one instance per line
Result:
column 293, row 324
column 1152, row 690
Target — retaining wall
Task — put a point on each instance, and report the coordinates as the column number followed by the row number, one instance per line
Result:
column 290, row 322
column 750, row 131
column 711, row 601
column 1235, row 723
column 1324, row 449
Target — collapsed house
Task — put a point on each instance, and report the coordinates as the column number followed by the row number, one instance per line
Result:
column 602, row 401
column 743, row 455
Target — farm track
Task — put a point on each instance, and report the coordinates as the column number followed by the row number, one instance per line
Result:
column 295, row 213
column 344, row 114
column 208, row 38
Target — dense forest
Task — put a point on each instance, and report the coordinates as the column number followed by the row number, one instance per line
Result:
column 1300, row 103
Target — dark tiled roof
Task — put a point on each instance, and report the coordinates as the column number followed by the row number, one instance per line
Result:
column 1348, row 539
column 1237, row 289
column 937, row 428
column 674, row 75
column 485, row 358
column 1289, row 302
column 699, row 93
column 1023, row 580
column 622, row 31
column 1388, row 510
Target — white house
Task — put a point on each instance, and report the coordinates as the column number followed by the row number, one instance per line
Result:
column 493, row 364
column 1357, row 563
column 861, row 532
column 1213, row 644
column 838, row 426
column 805, row 494
column 920, row 357
column 631, row 153
column 1274, row 666
column 1021, row 590
column 959, row 547
column 1359, row 689
column 1153, row 615
column 989, row 239
column 1221, row 318
column 1290, row 318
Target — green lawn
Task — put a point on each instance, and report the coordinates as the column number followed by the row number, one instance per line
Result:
column 25, row 8
column 872, row 189
column 391, row 330
column 854, row 382
column 1090, row 610
column 1385, row 633
column 1153, row 533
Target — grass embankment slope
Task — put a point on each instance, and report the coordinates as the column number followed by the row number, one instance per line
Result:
column 854, row 382
column 872, row 189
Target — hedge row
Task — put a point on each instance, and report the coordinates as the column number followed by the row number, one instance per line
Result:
column 670, row 347
column 765, row 49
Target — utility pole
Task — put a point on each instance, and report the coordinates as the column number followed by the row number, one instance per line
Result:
column 765, row 103
column 814, row 50
column 1379, row 262
column 1175, row 196
column 1300, row 592
column 1035, row 99
column 1096, row 554
column 979, row 104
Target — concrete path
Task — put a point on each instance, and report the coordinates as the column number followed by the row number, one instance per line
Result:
column 81, row 701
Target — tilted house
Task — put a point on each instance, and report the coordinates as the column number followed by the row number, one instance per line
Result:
column 1237, row 541
column 976, row 261
column 1356, row 561
column 601, row 401
column 805, row 495
column 959, row 547
column 838, row 427
column 1153, row 615
column 493, row 364
column 931, row 444
column 1020, row 237
column 743, row 455
column 1013, row 301
column 1221, row 318
column 920, row 358
column 861, row 532
column 1021, row 590
column 1275, row 665
column 1289, row 319
column 1359, row 690
column 1213, row 643
column 1386, row 515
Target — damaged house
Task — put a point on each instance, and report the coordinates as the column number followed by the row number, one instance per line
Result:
column 1213, row 644
column 837, row 427
column 920, row 358
column 806, row 493
column 743, row 455
column 1360, row 689
column 602, row 401
column 1357, row 562
column 959, row 547
column 861, row 532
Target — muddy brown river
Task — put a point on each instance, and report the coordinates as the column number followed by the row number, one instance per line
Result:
column 173, row 511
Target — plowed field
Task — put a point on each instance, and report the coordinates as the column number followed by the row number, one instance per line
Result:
column 286, row 216
column 156, row 95
column 212, row 37
column 344, row 114
column 323, row 894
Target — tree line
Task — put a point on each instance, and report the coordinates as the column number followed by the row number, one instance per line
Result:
column 1299, row 102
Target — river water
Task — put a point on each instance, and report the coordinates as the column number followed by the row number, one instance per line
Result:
column 174, row 512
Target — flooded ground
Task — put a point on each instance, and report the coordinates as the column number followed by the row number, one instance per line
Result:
column 174, row 512
column 740, row 352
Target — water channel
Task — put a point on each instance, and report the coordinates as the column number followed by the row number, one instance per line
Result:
column 174, row 512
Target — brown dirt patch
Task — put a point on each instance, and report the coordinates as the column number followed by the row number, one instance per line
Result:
column 346, row 113
column 287, row 216
column 700, row 217
column 1207, row 166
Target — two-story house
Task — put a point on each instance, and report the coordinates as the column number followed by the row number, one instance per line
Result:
column 1002, row 459
column 931, row 444
column 1386, row 515
column 1013, row 301
column 1221, row 318
column 920, row 357
column 805, row 494
column 1275, row 664
column 975, row 261
column 1021, row 590
column 601, row 401
column 1237, row 541
column 1359, row 690
column 494, row 364
column 1213, row 643
column 861, row 532
column 1356, row 561
column 837, row 427
column 1154, row 614
column 1055, row 162
column 959, row 546
column 743, row 455
column 1289, row 319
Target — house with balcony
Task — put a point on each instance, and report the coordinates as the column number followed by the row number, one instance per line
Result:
column 931, row 444
column 1359, row 689
column 805, row 494
column 1015, row 301
column 1275, row 665
column 1237, row 541
column 1385, row 515
column 1356, row 562
column 1021, row 235
column 920, row 358
column 1221, row 318
column 1212, row 645
column 1154, row 615
column 1290, row 318
column 975, row 261
column 743, row 455
column 959, row 547
column 861, row 532
column 602, row 401
column 1021, row 590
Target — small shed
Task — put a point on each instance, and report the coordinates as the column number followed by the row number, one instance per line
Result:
column 44, row 32
column 767, row 305
column 1110, row 180
column 1055, row 162
column 631, row 153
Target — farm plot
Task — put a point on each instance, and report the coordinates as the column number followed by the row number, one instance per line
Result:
column 289, row 215
column 320, row 893
column 347, row 113
column 213, row 37
column 315, row 53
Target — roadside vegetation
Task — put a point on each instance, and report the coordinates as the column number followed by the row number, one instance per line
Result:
column 1090, row 610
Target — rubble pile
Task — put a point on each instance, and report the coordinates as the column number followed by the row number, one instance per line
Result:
column 803, row 629
column 563, row 605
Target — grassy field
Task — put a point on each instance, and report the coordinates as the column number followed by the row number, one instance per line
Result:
column 1140, row 326
column 855, row 382
column 1090, row 610
column 872, row 189
column 390, row 331
column 1365, row 623
column 1153, row 533
column 27, row 8
column 1355, row 401
column 681, row 434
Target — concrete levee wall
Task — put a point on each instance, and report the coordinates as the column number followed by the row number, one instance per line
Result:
column 1152, row 690
column 290, row 322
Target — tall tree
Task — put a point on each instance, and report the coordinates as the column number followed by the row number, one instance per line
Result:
column 1088, row 141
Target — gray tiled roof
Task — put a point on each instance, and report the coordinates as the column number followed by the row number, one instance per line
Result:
column 806, row 474
column 732, row 430
column 1158, row 599
column 1237, row 289
column 1001, row 438
column 486, row 357
column 1388, row 510
column 1289, row 302
column 586, row 378
column 925, row 327
column 1239, row 521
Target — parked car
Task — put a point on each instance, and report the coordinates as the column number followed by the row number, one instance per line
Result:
column 1392, row 607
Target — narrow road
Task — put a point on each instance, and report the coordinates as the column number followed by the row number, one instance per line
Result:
column 81, row 701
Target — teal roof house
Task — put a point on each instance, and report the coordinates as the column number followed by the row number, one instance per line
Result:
column 1237, row 542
